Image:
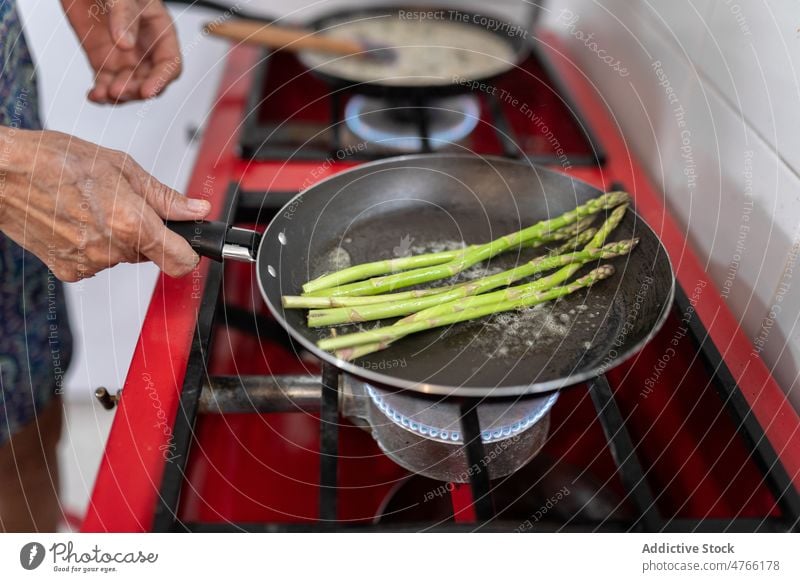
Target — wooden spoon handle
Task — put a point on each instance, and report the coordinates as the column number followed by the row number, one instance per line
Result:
column 277, row 37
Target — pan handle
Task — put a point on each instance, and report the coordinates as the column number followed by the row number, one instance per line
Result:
column 225, row 9
column 217, row 240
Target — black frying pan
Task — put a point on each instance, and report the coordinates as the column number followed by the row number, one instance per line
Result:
column 512, row 36
column 367, row 212
column 515, row 36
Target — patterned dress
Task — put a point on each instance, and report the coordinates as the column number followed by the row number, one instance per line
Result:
column 35, row 339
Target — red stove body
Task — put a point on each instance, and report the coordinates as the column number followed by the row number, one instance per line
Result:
column 714, row 440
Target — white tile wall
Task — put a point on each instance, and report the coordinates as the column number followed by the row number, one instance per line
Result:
column 781, row 328
column 737, row 226
column 641, row 109
column 681, row 19
column 735, row 70
column 754, row 62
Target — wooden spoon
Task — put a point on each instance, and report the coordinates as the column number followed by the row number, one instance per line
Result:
column 295, row 39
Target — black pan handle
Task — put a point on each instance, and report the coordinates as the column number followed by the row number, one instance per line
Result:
column 217, row 240
column 225, row 9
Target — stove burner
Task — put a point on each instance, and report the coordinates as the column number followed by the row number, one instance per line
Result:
column 423, row 434
column 398, row 127
column 439, row 420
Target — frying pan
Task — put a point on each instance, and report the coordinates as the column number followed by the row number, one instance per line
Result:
column 514, row 36
column 404, row 89
column 366, row 213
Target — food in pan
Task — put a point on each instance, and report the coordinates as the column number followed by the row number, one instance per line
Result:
column 366, row 292
column 425, row 53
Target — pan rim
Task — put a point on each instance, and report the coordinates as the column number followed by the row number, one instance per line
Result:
column 465, row 391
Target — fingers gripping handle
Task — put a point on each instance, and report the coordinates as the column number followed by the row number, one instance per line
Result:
column 217, row 240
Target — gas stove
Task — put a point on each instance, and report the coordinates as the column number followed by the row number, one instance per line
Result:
column 225, row 425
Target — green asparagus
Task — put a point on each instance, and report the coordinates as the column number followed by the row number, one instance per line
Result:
column 390, row 333
column 542, row 284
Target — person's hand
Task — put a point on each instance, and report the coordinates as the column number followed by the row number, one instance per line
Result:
column 131, row 45
column 82, row 208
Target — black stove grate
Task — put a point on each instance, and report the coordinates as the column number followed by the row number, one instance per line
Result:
column 300, row 139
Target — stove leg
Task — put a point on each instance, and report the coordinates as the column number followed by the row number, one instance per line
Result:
column 329, row 444
column 476, row 461
column 623, row 451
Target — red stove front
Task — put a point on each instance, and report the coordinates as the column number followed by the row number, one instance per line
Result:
column 707, row 442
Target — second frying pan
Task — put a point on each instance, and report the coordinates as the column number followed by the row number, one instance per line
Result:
column 426, row 201
column 412, row 84
column 462, row 51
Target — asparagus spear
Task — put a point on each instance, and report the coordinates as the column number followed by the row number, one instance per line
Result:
column 479, row 253
column 574, row 243
column 323, row 302
column 565, row 233
column 556, row 278
column 327, row 317
column 367, row 270
column 390, row 333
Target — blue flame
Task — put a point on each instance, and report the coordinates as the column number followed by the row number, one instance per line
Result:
column 454, row 436
column 437, row 139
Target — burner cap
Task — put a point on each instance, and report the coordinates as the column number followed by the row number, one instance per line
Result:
column 438, row 419
column 397, row 126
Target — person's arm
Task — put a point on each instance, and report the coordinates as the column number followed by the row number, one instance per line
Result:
column 82, row 208
column 131, row 46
